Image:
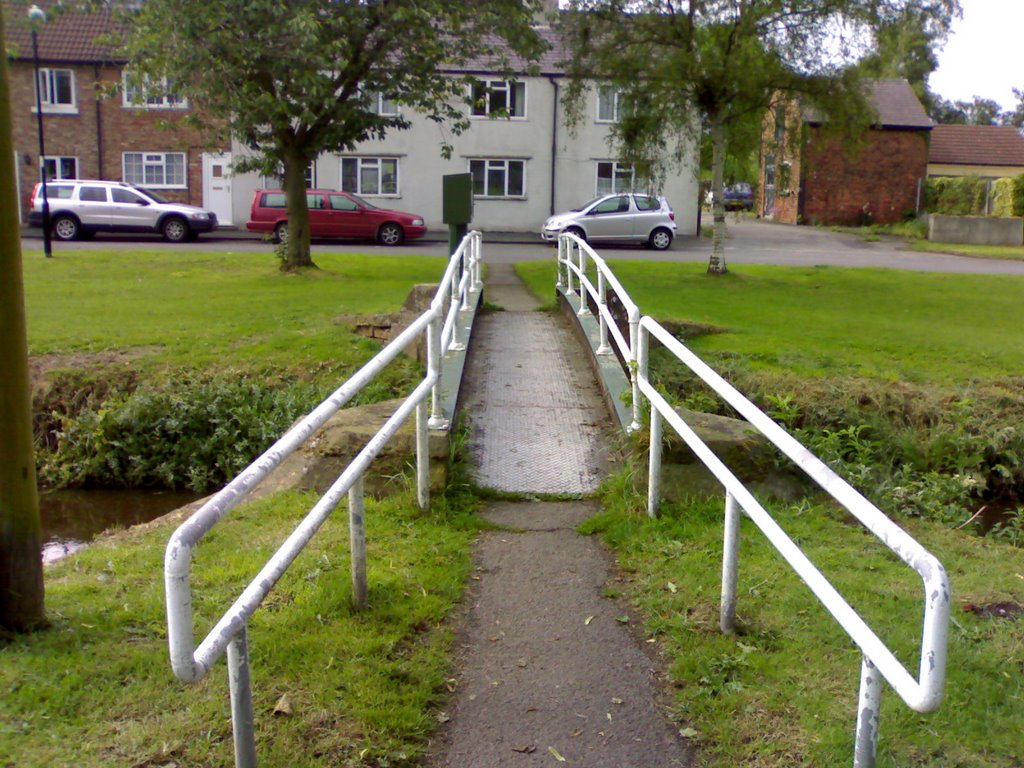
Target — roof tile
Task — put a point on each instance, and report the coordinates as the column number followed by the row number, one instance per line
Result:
column 976, row 145
column 67, row 36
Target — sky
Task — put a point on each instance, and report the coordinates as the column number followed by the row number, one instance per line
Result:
column 983, row 55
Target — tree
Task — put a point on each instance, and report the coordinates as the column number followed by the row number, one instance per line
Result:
column 1016, row 117
column 682, row 64
column 21, row 564
column 291, row 79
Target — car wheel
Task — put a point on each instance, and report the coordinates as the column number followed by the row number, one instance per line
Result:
column 66, row 228
column 578, row 232
column 660, row 239
column 390, row 234
column 281, row 232
column 175, row 229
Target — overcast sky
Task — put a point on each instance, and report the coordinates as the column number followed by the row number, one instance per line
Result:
column 984, row 55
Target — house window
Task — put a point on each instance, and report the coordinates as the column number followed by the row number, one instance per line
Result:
column 614, row 177
column 498, row 178
column 608, row 104
column 160, row 170
column 60, row 168
column 499, row 98
column 143, row 93
column 382, row 105
column 369, row 175
column 277, row 182
column 57, row 90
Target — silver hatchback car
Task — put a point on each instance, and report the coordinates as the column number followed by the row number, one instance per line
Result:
column 623, row 217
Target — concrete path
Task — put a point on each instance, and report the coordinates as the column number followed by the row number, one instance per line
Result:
column 550, row 671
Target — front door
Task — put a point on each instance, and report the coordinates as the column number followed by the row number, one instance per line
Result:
column 217, row 185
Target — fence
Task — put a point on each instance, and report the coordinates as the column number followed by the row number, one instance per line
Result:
column 922, row 694
column 459, row 290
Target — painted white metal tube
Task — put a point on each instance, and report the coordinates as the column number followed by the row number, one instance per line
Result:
column 730, row 564
column 437, row 418
column 240, row 691
column 926, row 695
column 210, row 649
column 422, row 458
column 922, row 697
column 634, row 340
column 357, row 542
column 869, row 706
column 654, row 466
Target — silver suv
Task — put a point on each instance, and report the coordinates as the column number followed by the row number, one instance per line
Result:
column 619, row 217
column 81, row 208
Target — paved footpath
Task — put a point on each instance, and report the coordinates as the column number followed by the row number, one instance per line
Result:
column 549, row 672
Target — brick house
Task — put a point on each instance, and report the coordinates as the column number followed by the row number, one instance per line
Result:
column 91, row 130
column 987, row 151
column 815, row 180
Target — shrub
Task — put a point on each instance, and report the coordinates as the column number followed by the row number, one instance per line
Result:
column 194, row 431
column 1002, row 198
column 1018, row 195
column 956, row 196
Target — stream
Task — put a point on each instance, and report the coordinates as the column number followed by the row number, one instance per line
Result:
column 72, row 518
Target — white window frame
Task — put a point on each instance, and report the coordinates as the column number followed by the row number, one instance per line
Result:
column 382, row 105
column 606, row 93
column 482, row 108
column 155, row 160
column 618, row 171
column 498, row 163
column 277, row 182
column 369, row 163
column 48, row 89
column 134, row 96
column 57, row 161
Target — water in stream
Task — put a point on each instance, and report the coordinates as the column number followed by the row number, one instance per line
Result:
column 72, row 518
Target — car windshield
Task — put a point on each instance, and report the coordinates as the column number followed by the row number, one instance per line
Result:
column 362, row 202
column 150, row 193
column 589, row 203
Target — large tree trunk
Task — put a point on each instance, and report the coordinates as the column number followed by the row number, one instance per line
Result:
column 716, row 265
column 297, row 253
column 21, row 564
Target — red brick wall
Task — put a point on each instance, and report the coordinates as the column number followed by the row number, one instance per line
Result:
column 121, row 129
column 883, row 175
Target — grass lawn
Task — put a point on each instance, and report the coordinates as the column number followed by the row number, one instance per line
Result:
column 1008, row 252
column 825, row 321
column 199, row 309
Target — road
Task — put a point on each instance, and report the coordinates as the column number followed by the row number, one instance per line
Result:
column 750, row 242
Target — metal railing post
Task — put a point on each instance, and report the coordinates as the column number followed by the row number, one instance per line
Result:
column 730, row 564
column 602, row 308
column 654, row 466
column 868, row 707
column 559, row 256
column 437, row 417
column 634, row 341
column 357, row 542
column 422, row 458
column 240, row 691
column 569, row 248
column 478, row 282
column 584, row 310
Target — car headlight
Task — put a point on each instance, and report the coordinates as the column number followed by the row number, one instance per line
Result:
column 417, row 222
column 200, row 216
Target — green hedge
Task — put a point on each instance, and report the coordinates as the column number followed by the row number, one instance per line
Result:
column 965, row 196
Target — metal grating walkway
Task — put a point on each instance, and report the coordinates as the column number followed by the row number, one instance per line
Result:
column 536, row 414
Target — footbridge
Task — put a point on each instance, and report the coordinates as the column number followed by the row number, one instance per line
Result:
column 544, row 396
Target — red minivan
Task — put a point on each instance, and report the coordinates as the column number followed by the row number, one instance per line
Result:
column 334, row 214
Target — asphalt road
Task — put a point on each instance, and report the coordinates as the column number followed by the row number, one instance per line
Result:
column 750, row 242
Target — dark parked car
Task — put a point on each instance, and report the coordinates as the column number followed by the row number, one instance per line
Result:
column 334, row 214
column 739, row 197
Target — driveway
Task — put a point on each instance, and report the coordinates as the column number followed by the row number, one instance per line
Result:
column 750, row 241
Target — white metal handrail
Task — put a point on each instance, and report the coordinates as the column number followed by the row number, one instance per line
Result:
column 459, row 290
column 924, row 693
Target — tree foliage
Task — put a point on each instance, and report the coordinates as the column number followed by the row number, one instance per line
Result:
column 687, row 65
column 291, row 79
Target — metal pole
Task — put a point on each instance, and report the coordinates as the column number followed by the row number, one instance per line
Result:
column 602, row 308
column 730, row 564
column 437, row 417
column 240, row 688
column 422, row 457
column 868, row 707
column 634, row 342
column 47, row 242
column 584, row 310
column 357, row 545
column 654, row 465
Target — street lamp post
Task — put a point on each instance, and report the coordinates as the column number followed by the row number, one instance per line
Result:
column 36, row 17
